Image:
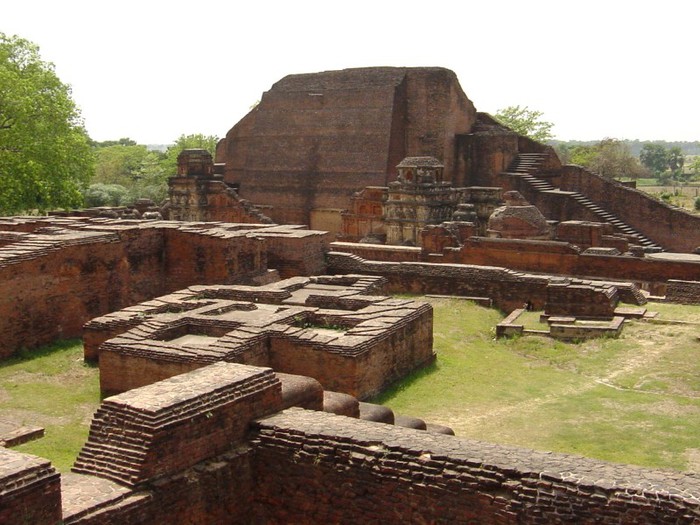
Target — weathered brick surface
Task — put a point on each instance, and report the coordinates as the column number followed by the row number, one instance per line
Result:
column 507, row 289
column 30, row 490
column 209, row 199
column 685, row 292
column 320, row 468
column 581, row 300
column 211, row 447
column 316, row 139
column 169, row 426
column 57, row 273
column 551, row 257
column 364, row 215
column 93, row 500
column 672, row 228
column 325, row 327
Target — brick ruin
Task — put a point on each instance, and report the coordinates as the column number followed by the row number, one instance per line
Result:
column 212, row 436
column 240, row 350
column 316, row 140
column 224, row 444
column 199, row 193
column 58, row 273
column 327, row 328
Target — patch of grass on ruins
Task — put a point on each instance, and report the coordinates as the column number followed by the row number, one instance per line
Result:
column 635, row 399
column 50, row 387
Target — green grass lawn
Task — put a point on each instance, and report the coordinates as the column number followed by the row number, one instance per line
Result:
column 635, row 399
column 52, row 388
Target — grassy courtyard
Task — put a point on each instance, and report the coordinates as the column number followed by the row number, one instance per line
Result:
column 51, row 387
column 634, row 400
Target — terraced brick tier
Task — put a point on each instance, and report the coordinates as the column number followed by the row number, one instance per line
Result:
column 30, row 489
column 171, row 425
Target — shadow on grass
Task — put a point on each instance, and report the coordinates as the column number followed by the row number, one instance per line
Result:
column 401, row 385
column 25, row 354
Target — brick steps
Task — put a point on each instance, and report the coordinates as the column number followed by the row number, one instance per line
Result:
column 525, row 168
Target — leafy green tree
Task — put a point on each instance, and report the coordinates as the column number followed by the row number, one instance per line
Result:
column 581, row 155
column 666, row 163
column 197, row 140
column 676, row 159
column 45, row 156
column 694, row 166
column 526, row 122
column 655, row 158
column 142, row 172
column 125, row 141
column 133, row 167
column 119, row 164
column 610, row 158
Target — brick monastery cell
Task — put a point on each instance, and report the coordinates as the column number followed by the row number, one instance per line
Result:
column 239, row 350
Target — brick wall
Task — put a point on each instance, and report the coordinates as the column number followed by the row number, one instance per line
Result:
column 672, row 228
column 321, row 468
column 209, row 199
column 57, row 273
column 684, row 292
column 169, row 426
column 507, row 289
column 30, row 490
column 327, row 328
column 212, row 447
column 552, row 257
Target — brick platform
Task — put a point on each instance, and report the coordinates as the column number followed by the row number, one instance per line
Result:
column 321, row 327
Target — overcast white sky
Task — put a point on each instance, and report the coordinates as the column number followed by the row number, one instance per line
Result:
column 153, row 70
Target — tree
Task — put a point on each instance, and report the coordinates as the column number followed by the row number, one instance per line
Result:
column 525, row 121
column 105, row 195
column 197, row 140
column 45, row 157
column 141, row 172
column 119, row 164
column 610, row 158
column 665, row 163
column 131, row 166
column 654, row 157
column 694, row 166
column 125, row 141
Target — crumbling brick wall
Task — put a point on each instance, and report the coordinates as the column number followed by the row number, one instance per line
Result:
column 321, row 468
column 216, row 447
column 30, row 490
column 57, row 273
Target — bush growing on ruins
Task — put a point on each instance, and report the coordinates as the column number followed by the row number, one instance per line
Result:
column 45, row 156
column 526, row 122
column 697, row 203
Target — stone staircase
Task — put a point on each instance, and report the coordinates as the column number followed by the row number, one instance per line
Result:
column 525, row 168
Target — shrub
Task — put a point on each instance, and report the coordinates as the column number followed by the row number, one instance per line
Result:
column 105, row 195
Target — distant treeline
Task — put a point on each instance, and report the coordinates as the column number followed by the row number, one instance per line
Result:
column 635, row 146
